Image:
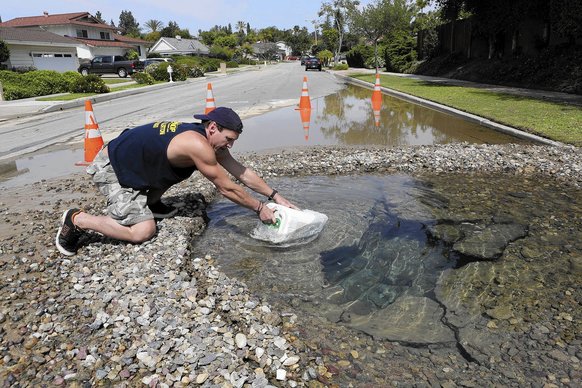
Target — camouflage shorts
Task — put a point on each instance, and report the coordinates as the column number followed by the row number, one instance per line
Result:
column 125, row 205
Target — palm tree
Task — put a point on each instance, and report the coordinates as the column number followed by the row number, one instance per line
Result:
column 240, row 27
column 154, row 25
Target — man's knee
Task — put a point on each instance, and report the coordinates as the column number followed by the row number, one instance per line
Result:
column 143, row 231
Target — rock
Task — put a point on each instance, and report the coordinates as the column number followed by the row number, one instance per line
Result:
column 241, row 340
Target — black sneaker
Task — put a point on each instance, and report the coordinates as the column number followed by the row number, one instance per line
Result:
column 68, row 234
column 161, row 210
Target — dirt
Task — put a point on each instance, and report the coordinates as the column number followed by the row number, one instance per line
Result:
column 556, row 69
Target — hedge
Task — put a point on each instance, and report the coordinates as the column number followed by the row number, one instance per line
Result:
column 44, row 82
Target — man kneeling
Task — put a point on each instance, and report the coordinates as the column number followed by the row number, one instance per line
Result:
column 135, row 169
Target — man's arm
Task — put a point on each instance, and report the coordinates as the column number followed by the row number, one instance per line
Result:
column 204, row 158
column 249, row 178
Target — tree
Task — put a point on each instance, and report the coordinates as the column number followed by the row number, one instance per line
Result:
column 566, row 17
column 339, row 11
column 154, row 25
column 171, row 30
column 99, row 17
column 299, row 39
column 128, row 25
column 380, row 19
column 4, row 51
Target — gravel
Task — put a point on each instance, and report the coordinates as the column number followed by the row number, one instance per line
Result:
column 131, row 315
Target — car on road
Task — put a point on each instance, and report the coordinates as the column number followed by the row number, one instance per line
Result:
column 303, row 59
column 312, row 63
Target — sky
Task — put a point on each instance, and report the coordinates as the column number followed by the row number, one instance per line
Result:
column 191, row 14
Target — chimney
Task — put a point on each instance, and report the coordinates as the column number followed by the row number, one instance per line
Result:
column 45, row 13
column 178, row 37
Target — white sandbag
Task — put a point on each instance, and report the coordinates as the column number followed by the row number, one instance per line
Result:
column 291, row 225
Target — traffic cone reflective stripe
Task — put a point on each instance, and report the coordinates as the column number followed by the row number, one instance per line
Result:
column 305, row 120
column 304, row 102
column 376, row 106
column 93, row 139
column 210, row 105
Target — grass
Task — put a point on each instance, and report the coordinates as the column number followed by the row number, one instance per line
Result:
column 554, row 121
column 113, row 81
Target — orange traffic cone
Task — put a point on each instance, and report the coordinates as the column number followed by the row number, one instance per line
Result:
column 93, row 139
column 376, row 106
column 210, row 105
column 304, row 102
column 377, row 90
column 377, row 100
column 305, row 120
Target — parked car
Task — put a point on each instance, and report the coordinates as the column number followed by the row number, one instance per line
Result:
column 312, row 63
column 149, row 61
column 111, row 64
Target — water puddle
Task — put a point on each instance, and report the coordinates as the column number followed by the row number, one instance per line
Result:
column 38, row 166
column 398, row 253
column 351, row 118
column 348, row 118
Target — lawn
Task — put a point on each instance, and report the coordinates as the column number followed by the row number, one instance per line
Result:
column 554, row 121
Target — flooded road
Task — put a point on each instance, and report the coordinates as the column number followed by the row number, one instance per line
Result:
column 345, row 118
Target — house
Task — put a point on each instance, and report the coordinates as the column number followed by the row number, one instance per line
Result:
column 284, row 48
column 93, row 36
column 178, row 45
column 39, row 48
column 267, row 51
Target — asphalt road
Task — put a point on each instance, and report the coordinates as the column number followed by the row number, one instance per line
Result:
column 248, row 92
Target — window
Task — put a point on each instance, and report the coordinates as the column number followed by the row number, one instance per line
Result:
column 107, row 59
column 105, row 35
column 82, row 34
column 119, row 58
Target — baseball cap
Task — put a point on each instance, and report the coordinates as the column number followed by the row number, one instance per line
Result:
column 225, row 117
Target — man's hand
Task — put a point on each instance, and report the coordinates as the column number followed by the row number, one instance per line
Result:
column 266, row 215
column 280, row 200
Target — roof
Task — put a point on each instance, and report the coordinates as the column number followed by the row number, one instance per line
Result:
column 104, row 43
column 77, row 18
column 14, row 35
column 185, row 45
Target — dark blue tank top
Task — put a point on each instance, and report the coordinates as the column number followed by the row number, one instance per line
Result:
column 139, row 155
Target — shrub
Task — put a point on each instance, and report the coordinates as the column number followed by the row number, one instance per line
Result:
column 24, row 69
column 159, row 71
column 231, row 64
column 16, row 92
column 370, row 63
column 4, row 51
column 195, row 72
column 91, row 83
column 341, row 66
column 143, row 78
column 359, row 54
column 400, row 53
column 71, row 77
column 132, row 55
column 45, row 82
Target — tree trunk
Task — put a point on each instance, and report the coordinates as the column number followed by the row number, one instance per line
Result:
column 514, row 38
column 491, row 46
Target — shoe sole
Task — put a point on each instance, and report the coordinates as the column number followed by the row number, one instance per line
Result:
column 167, row 215
column 59, row 247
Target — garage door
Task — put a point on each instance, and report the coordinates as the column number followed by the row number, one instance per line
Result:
column 55, row 61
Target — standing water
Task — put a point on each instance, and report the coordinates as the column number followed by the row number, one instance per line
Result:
column 412, row 259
